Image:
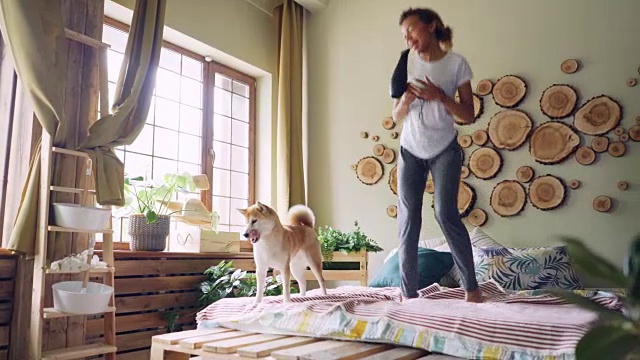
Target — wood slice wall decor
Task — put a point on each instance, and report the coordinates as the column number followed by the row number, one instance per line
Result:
column 623, row 137
column 508, row 198
column 509, row 91
column 631, row 82
column 354, row 167
column 394, row 135
column 585, row 155
column 375, row 138
column 477, row 217
column 552, row 142
column 558, row 101
column 617, row 148
column 466, row 198
column 464, row 172
column 485, row 163
column 392, row 211
column 369, row 170
column 622, row 185
column 574, row 184
column 388, row 156
column 600, row 144
column 634, row 133
column 478, row 109
column 393, row 180
column 465, row 141
column 509, row 129
column 430, row 188
column 569, row 66
column 480, row 137
column 619, row 130
column 524, row 174
column 598, row 116
column 547, row 192
column 364, row 134
column 602, row 203
column 378, row 149
column 484, row 87
column 388, row 123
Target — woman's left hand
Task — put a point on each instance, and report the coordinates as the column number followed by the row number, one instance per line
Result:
column 429, row 90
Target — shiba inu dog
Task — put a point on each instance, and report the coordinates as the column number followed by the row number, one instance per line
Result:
column 288, row 248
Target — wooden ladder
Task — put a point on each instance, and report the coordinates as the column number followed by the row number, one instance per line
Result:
column 40, row 311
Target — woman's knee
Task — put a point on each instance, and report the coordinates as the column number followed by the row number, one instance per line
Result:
column 446, row 211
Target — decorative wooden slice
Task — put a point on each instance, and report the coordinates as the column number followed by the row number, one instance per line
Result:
column 524, row 174
column 598, row 115
column 484, row 87
column 546, row 192
column 569, row 66
column 466, row 198
column 600, row 144
column 619, row 130
column 585, row 155
column 375, row 138
column 623, row 185
column 623, row 137
column 602, row 203
column 393, row 180
column 558, row 101
column 378, row 149
column 638, row 119
column 508, row 198
column 479, row 137
column 369, row 170
column 574, row 184
column 509, row 91
column 634, row 133
column 478, row 109
column 617, row 148
column 485, row 163
column 631, row 82
column 464, row 172
column 552, row 142
column 509, row 129
column 394, row 135
column 477, row 217
column 364, row 134
column 465, row 141
column 392, row 211
column 430, row 187
column 388, row 156
column 354, row 167
column 388, row 123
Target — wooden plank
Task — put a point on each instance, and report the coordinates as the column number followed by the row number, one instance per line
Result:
column 296, row 352
column 6, row 289
column 265, row 349
column 78, row 352
column 52, row 313
column 20, row 322
column 350, row 257
column 351, row 351
column 152, row 284
column 440, row 357
column 173, row 266
column 137, row 340
column 134, row 355
column 138, row 255
column 230, row 346
column 399, row 353
column 176, row 337
column 6, row 311
column 7, row 268
column 4, row 335
column 337, row 275
column 198, row 341
column 139, row 321
column 8, row 81
column 81, row 38
column 4, row 354
column 126, row 304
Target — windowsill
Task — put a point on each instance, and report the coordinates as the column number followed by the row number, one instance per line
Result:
column 121, row 254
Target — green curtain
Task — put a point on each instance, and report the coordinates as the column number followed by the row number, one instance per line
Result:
column 34, row 31
column 290, row 162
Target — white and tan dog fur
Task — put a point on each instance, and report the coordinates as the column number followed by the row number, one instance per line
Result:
column 288, row 248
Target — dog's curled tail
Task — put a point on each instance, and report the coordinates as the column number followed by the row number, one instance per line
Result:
column 301, row 215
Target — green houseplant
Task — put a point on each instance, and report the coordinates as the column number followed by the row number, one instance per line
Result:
column 334, row 240
column 616, row 335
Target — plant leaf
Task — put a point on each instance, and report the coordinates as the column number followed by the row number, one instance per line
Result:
column 593, row 264
column 607, row 342
column 151, row 216
column 582, row 301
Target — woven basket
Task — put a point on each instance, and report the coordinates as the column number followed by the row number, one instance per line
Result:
column 148, row 237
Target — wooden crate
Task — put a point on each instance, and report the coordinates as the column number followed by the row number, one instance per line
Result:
column 221, row 343
column 359, row 258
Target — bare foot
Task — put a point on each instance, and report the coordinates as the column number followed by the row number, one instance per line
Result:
column 474, row 296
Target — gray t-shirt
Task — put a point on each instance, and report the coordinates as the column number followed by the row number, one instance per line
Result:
column 429, row 127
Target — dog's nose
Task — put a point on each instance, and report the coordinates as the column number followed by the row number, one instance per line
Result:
column 246, row 235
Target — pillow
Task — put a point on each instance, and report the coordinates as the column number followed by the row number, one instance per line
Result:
column 527, row 268
column 432, row 265
column 425, row 243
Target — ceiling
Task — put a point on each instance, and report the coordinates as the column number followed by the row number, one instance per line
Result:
column 268, row 5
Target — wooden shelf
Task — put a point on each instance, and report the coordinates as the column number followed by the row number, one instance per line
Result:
column 70, row 190
column 92, row 271
column 70, row 152
column 51, row 313
column 87, row 40
column 63, row 229
column 78, row 352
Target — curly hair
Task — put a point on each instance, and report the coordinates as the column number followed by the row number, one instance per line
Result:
column 443, row 33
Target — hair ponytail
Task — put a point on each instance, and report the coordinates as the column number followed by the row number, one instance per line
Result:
column 444, row 34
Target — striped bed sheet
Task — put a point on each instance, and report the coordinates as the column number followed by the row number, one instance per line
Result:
column 527, row 325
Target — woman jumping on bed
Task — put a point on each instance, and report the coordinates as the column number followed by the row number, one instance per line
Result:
column 424, row 85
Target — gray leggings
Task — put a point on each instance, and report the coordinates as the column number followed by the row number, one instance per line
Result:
column 412, row 177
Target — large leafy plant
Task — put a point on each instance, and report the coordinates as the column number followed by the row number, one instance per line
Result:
column 616, row 335
column 345, row 242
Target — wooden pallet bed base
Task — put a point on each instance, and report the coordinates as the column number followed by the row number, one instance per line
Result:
column 222, row 343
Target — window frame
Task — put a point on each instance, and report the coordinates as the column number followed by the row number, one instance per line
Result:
column 210, row 68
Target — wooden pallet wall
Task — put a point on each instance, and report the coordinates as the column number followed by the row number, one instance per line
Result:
column 7, row 280
column 150, row 285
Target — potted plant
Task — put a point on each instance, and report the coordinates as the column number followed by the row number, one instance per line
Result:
column 149, row 205
column 336, row 241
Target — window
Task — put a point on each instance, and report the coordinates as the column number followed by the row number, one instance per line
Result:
column 200, row 111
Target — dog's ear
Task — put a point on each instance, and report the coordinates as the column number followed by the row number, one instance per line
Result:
column 242, row 211
column 261, row 207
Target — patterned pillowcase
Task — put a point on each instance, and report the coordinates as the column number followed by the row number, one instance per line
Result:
column 527, row 268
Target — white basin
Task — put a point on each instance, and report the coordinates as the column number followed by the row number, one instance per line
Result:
column 68, row 298
column 80, row 217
